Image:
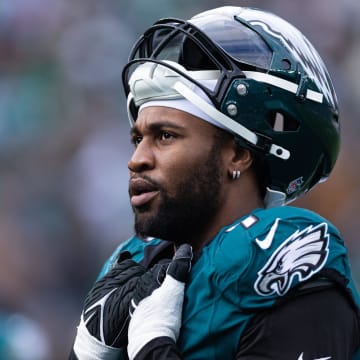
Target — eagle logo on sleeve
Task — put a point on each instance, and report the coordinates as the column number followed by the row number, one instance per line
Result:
column 303, row 254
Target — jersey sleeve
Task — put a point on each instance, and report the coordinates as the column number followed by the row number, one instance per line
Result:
column 316, row 324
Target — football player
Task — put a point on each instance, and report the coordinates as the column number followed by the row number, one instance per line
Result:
column 233, row 116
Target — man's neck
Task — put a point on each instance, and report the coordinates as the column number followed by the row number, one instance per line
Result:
column 229, row 213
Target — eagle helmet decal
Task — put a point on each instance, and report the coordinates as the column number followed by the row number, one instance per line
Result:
column 303, row 254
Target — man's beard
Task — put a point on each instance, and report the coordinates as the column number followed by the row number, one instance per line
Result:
column 186, row 215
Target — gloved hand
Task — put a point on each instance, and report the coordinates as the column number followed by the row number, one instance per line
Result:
column 159, row 314
column 104, row 322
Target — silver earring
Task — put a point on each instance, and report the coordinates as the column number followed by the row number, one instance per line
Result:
column 236, row 174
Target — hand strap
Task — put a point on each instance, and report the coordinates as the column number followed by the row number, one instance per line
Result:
column 87, row 347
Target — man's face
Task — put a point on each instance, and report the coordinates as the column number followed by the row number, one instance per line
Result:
column 176, row 174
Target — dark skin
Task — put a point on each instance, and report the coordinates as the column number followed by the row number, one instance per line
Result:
column 171, row 144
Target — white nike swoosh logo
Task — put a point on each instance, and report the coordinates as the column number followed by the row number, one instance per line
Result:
column 266, row 243
column 323, row 358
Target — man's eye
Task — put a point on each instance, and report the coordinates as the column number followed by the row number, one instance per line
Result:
column 166, row 135
column 136, row 140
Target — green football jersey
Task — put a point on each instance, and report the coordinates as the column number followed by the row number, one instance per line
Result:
column 247, row 267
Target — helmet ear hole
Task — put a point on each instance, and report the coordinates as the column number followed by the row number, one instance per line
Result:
column 286, row 64
column 280, row 122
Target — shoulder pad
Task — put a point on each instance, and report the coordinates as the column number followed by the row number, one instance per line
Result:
column 278, row 249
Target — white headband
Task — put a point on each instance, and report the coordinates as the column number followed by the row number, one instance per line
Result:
column 185, row 105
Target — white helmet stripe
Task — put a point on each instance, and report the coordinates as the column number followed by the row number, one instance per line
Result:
column 283, row 84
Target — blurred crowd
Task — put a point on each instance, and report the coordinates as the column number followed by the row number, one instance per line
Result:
column 64, row 146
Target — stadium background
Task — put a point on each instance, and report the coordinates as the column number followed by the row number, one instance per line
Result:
column 64, row 147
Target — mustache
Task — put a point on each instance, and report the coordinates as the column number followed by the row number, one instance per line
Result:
column 151, row 182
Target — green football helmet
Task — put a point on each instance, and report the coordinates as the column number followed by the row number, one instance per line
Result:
column 256, row 76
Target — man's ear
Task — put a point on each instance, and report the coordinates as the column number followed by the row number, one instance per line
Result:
column 242, row 159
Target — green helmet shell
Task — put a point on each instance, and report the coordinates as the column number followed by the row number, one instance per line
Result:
column 272, row 82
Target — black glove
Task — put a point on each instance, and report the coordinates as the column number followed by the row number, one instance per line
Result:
column 149, row 281
column 106, row 307
column 179, row 268
column 157, row 313
column 103, row 328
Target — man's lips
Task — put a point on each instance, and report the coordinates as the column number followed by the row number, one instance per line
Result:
column 141, row 191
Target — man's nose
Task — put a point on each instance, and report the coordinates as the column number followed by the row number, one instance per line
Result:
column 142, row 158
